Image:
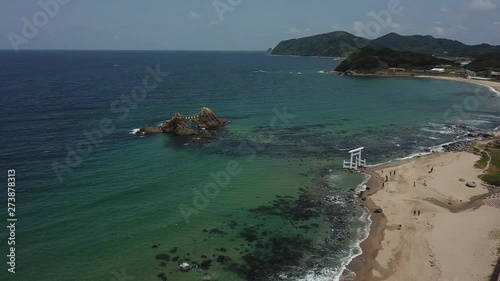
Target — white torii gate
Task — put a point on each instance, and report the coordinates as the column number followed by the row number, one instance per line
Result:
column 356, row 160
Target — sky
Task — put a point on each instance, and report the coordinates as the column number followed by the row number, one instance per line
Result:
column 233, row 24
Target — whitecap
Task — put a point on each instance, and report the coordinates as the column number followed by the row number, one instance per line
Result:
column 493, row 90
column 134, row 131
column 475, row 122
column 443, row 131
column 334, row 274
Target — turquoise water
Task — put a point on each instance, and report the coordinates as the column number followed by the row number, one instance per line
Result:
column 284, row 209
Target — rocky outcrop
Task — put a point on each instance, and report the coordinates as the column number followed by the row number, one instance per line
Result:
column 202, row 127
column 207, row 134
column 185, row 267
column 208, row 120
column 148, row 131
column 459, row 146
column 178, row 126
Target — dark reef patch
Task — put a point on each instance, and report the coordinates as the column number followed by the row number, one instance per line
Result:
column 164, row 257
column 290, row 235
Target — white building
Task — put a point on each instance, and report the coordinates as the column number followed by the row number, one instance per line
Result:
column 437, row 70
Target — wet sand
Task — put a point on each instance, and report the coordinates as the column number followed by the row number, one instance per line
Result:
column 455, row 235
column 492, row 84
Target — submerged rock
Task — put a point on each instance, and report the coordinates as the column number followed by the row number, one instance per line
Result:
column 162, row 276
column 148, row 131
column 185, row 267
column 164, row 257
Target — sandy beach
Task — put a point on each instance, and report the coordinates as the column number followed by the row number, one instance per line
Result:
column 433, row 227
column 492, row 84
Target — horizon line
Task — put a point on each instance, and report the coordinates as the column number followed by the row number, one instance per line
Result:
column 128, row 50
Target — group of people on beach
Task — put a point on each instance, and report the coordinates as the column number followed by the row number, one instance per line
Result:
column 391, row 173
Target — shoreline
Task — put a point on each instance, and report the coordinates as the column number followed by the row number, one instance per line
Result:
column 362, row 264
column 492, row 85
column 367, row 266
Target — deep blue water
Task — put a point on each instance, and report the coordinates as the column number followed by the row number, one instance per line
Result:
column 112, row 201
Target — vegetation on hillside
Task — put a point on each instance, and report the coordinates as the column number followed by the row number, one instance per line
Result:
column 342, row 44
column 492, row 175
column 369, row 60
column 488, row 62
column 432, row 46
column 333, row 44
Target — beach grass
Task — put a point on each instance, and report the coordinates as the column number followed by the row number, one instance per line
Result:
column 492, row 175
column 483, row 162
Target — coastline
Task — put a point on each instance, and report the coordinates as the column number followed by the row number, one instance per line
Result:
column 490, row 84
column 387, row 255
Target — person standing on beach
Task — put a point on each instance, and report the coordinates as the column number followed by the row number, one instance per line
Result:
column 413, row 184
column 418, row 212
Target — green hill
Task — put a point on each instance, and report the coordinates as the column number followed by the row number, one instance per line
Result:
column 433, row 46
column 333, row 44
column 488, row 62
column 369, row 60
column 342, row 44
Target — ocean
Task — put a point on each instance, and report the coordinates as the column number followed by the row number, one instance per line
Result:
column 266, row 199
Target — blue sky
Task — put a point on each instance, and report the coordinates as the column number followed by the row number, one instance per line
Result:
column 235, row 24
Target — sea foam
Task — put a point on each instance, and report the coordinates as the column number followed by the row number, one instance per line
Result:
column 334, row 274
column 493, row 90
column 134, row 131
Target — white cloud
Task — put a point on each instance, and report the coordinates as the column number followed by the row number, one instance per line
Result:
column 497, row 22
column 395, row 26
column 439, row 31
column 438, row 22
column 297, row 31
column 445, row 10
column 481, row 5
column 336, row 27
column 358, row 27
column 193, row 15
column 215, row 22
